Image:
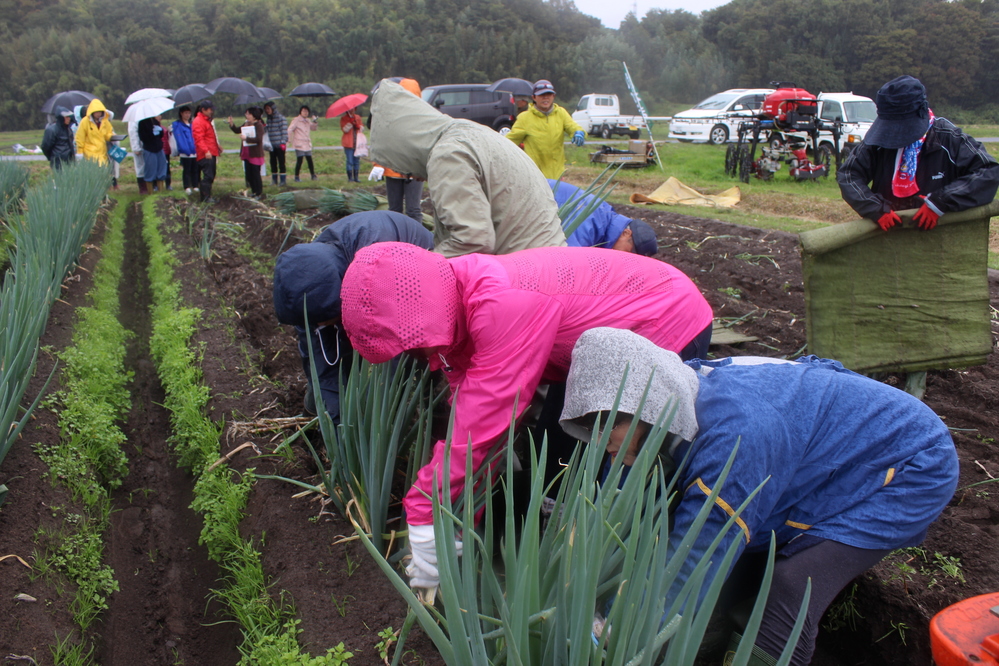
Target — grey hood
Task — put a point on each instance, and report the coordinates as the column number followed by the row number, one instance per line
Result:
column 404, row 129
column 598, row 364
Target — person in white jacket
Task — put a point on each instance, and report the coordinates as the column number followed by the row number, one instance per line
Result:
column 136, row 143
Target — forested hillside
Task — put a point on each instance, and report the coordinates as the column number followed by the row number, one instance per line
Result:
column 111, row 47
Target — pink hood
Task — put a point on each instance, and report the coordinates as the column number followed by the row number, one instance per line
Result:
column 506, row 324
column 398, row 297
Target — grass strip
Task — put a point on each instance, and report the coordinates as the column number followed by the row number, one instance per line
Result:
column 270, row 632
column 88, row 460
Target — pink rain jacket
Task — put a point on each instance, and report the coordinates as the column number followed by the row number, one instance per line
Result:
column 504, row 325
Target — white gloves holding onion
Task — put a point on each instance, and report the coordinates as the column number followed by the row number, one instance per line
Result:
column 422, row 570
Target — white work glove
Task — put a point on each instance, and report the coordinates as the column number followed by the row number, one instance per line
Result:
column 348, row 127
column 376, row 173
column 422, row 570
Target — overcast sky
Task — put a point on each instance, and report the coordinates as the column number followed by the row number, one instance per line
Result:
column 612, row 12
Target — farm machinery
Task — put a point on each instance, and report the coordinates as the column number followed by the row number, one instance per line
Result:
column 787, row 125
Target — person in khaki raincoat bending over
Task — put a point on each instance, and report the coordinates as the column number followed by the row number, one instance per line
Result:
column 488, row 196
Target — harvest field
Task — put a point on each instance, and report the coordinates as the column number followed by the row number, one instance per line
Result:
column 164, row 591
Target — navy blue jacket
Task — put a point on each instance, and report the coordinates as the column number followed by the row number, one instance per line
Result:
column 331, row 347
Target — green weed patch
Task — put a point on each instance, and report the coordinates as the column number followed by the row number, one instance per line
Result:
column 269, row 630
column 89, row 460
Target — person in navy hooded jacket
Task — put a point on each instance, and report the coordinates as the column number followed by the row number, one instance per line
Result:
column 308, row 276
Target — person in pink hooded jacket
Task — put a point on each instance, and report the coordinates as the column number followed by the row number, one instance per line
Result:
column 500, row 325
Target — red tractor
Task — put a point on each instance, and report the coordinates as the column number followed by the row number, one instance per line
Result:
column 789, row 112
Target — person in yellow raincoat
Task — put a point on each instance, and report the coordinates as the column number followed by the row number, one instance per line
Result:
column 541, row 128
column 94, row 133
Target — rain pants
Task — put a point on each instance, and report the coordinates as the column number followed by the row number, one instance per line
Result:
column 92, row 140
column 499, row 326
column 543, row 136
column 845, row 458
column 311, row 273
column 487, row 195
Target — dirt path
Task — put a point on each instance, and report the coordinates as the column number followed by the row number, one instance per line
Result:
column 163, row 613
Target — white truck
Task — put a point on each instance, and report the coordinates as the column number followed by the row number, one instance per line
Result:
column 600, row 115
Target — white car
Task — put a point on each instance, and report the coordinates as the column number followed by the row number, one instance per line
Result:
column 716, row 119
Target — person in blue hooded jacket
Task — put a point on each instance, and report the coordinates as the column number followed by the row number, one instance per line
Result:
column 184, row 138
column 851, row 469
column 307, row 278
column 603, row 227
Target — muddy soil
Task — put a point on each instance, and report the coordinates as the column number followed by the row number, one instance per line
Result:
column 752, row 278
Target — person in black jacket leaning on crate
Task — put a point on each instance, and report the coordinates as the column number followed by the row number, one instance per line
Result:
column 911, row 159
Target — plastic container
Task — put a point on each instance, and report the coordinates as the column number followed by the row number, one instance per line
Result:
column 967, row 633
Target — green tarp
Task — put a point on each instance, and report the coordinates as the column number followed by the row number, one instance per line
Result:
column 902, row 300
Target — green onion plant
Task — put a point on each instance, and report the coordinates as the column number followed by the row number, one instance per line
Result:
column 532, row 595
column 13, row 184
column 48, row 237
column 384, row 410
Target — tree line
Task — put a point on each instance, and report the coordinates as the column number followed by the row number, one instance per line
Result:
column 112, row 47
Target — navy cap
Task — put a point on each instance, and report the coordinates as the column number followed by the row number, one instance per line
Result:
column 307, row 273
column 644, row 238
column 543, row 86
column 903, row 114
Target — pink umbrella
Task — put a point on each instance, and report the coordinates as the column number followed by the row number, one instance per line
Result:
column 345, row 104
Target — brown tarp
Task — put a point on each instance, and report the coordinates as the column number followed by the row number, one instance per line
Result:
column 903, row 300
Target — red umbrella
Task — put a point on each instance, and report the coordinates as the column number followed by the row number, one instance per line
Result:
column 345, row 104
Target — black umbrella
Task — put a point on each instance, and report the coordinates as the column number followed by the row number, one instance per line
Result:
column 190, row 94
column 230, row 84
column 312, row 90
column 68, row 99
column 262, row 95
column 513, row 86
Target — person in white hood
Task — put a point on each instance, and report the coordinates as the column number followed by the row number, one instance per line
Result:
column 488, row 196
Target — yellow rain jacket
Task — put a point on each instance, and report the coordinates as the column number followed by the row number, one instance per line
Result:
column 543, row 135
column 91, row 140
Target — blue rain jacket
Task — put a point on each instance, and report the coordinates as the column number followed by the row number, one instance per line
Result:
column 601, row 229
column 848, row 459
column 182, row 134
column 331, row 347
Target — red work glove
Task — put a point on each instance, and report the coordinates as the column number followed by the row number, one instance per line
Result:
column 925, row 217
column 284, row 146
column 889, row 220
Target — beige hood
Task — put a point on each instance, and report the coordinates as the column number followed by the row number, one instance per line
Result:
column 404, row 129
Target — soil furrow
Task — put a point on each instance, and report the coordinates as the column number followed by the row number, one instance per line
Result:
column 164, row 612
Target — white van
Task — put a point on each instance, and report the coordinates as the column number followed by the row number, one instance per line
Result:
column 856, row 112
column 716, row 119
